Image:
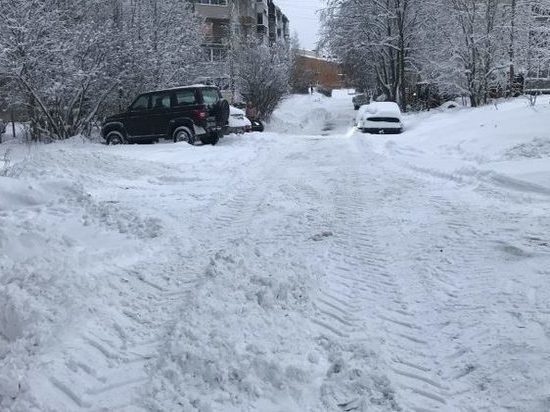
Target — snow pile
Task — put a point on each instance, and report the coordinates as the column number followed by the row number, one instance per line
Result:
column 57, row 239
column 15, row 194
column 224, row 352
column 301, row 114
column 313, row 114
column 538, row 148
column 505, row 144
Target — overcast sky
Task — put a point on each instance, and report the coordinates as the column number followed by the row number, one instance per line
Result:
column 303, row 18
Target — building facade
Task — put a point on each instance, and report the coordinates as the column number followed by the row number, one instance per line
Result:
column 538, row 72
column 312, row 69
column 228, row 22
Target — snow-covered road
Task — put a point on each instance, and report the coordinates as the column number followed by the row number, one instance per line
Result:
column 323, row 271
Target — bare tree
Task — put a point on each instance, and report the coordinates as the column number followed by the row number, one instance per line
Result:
column 473, row 48
column 263, row 74
column 376, row 40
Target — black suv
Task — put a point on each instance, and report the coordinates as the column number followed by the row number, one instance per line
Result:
column 187, row 113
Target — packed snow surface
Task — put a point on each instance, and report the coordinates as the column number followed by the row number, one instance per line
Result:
column 309, row 268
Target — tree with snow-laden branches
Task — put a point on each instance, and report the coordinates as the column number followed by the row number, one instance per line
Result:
column 65, row 62
column 263, row 74
column 472, row 48
column 376, row 37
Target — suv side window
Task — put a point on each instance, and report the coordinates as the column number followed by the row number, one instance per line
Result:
column 160, row 101
column 210, row 96
column 185, row 97
column 141, row 103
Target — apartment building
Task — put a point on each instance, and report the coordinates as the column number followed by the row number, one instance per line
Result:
column 225, row 18
column 228, row 21
column 538, row 73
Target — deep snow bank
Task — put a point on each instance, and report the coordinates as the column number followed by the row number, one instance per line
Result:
column 301, row 114
column 506, row 144
column 313, row 114
column 58, row 239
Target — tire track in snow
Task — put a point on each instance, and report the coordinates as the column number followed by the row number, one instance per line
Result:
column 466, row 265
column 361, row 282
column 104, row 363
column 103, row 366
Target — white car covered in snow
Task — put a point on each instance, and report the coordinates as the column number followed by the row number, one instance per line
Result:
column 380, row 117
column 238, row 122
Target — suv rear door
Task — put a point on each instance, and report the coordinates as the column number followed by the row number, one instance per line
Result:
column 210, row 97
column 184, row 104
column 159, row 117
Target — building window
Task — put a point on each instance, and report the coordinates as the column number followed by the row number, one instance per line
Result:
column 216, row 54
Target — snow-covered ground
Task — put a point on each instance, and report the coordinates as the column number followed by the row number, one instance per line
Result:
column 309, row 268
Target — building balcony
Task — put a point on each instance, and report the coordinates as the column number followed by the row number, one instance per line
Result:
column 248, row 20
column 215, row 40
column 213, row 11
column 261, row 6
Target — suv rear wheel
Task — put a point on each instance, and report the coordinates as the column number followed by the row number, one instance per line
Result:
column 115, row 138
column 183, row 134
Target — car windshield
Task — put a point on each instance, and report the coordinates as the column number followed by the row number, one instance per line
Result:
column 141, row 103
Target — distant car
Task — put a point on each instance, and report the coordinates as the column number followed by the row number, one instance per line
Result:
column 360, row 100
column 257, row 124
column 238, row 123
column 380, row 117
column 187, row 113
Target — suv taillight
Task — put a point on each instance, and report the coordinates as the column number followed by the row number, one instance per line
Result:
column 200, row 114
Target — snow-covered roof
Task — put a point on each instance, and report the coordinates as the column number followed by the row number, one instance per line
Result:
column 386, row 107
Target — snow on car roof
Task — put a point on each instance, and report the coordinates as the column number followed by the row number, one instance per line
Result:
column 386, row 107
column 188, row 86
column 235, row 110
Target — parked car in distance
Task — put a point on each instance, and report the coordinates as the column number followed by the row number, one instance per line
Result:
column 238, row 122
column 360, row 100
column 380, row 117
column 187, row 113
column 257, row 124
